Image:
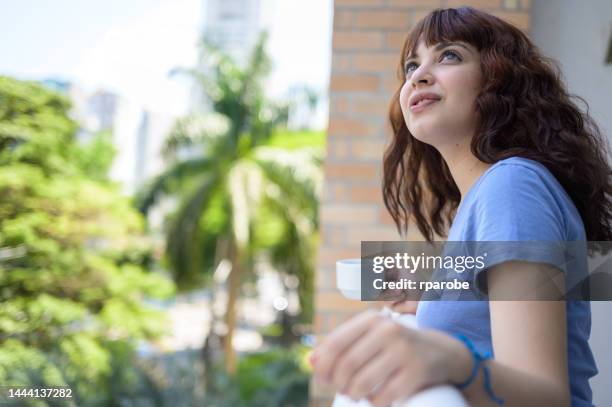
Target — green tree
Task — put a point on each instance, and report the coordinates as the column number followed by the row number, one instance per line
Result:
column 73, row 260
column 239, row 195
column 274, row 377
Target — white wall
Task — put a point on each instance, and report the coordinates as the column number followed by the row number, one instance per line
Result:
column 577, row 34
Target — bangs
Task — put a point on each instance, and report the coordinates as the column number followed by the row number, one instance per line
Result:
column 449, row 25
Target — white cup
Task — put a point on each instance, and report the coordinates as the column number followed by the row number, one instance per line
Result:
column 348, row 278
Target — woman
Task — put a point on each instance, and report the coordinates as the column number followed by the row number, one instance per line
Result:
column 488, row 142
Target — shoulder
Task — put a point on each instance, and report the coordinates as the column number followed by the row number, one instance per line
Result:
column 514, row 174
column 520, row 183
column 521, row 197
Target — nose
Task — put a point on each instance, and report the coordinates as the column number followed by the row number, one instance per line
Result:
column 422, row 75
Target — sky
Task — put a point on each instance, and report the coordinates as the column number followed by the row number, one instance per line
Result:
column 129, row 47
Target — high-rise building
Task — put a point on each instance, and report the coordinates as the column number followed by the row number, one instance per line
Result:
column 103, row 105
column 233, row 25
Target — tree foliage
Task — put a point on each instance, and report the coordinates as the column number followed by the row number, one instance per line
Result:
column 73, row 260
column 272, row 378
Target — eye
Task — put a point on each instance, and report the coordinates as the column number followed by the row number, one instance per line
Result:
column 450, row 55
column 409, row 67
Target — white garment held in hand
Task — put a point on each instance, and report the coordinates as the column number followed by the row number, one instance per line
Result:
column 445, row 395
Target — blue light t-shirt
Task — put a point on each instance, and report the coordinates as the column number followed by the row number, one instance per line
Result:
column 517, row 199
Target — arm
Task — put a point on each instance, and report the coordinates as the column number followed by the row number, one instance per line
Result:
column 529, row 342
column 529, row 338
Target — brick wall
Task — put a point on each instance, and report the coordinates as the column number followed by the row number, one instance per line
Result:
column 367, row 37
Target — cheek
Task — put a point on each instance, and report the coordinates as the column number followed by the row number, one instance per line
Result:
column 403, row 99
column 467, row 86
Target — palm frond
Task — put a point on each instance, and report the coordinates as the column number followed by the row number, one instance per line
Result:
column 163, row 183
column 245, row 188
column 259, row 63
column 185, row 237
column 196, row 129
column 292, row 192
column 297, row 178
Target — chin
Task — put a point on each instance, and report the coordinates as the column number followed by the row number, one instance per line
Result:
column 426, row 140
column 436, row 139
column 425, row 134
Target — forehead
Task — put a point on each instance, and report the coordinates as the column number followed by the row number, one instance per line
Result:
column 422, row 47
column 457, row 26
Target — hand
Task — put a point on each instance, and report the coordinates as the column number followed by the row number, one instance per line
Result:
column 375, row 357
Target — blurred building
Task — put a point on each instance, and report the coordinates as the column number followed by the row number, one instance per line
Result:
column 58, row 85
column 231, row 25
column 234, row 26
column 103, row 106
column 138, row 134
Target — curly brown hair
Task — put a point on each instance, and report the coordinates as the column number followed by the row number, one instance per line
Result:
column 524, row 110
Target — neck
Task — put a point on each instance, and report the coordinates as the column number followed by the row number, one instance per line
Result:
column 464, row 167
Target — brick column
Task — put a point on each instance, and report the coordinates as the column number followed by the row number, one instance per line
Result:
column 367, row 40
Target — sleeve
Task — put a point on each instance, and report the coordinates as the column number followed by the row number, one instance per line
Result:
column 519, row 218
column 515, row 204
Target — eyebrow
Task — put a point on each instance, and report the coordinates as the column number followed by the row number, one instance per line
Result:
column 438, row 47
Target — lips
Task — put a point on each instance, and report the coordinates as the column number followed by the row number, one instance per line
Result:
column 417, row 97
column 420, row 101
column 422, row 104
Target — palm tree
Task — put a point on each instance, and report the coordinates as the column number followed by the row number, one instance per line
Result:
column 233, row 180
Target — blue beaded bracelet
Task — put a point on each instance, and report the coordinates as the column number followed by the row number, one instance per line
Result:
column 478, row 361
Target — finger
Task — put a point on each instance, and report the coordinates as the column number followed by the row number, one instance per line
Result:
column 360, row 353
column 398, row 387
column 312, row 359
column 339, row 340
column 381, row 369
column 405, row 306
